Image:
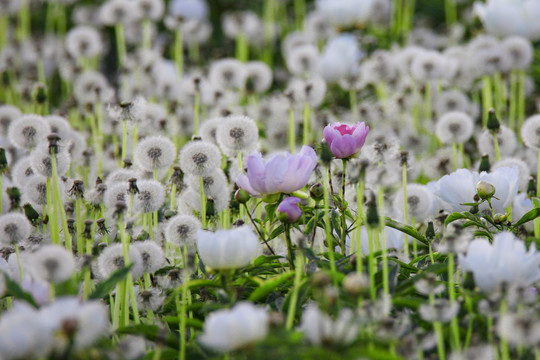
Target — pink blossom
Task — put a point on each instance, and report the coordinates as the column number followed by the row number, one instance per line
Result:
column 345, row 140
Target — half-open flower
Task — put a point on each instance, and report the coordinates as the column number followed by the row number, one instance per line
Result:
column 345, row 140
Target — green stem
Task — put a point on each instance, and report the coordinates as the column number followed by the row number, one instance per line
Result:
column 450, row 12
column 328, row 230
column 359, row 220
column 307, row 127
column 292, row 136
column 505, row 352
column 179, row 51
column 242, row 50
column 183, row 309
column 371, row 264
column 427, row 102
column 196, row 111
column 124, row 140
column 50, row 213
column 294, row 298
column 381, row 230
column 437, row 326
column 120, row 44
column 203, row 203
column 513, row 100
column 290, row 252
column 452, row 295
column 454, row 155
column 487, row 101
column 299, row 12
column 496, row 146
column 405, row 208
column 343, row 210
column 147, row 33
column 521, row 98
column 537, row 220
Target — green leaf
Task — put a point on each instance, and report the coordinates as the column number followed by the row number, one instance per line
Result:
column 410, row 302
column 407, row 229
column 464, row 215
column 15, row 290
column 482, row 233
column 264, row 259
column 403, row 265
column 193, row 284
column 268, row 286
column 174, row 320
column 106, row 286
column 472, row 204
column 453, row 217
column 276, row 232
column 531, row 215
column 313, row 222
column 271, row 211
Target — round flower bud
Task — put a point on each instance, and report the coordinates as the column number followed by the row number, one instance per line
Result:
column 316, row 191
column 242, row 196
column 485, row 190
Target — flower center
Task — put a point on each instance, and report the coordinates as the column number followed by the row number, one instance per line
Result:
column 345, row 129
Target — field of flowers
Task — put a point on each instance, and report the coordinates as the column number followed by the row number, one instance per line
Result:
column 269, row 179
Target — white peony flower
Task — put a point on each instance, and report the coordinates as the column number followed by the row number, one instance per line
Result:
column 230, row 329
column 319, row 328
column 227, row 249
column 340, row 58
column 505, row 261
column 510, row 17
column 459, row 187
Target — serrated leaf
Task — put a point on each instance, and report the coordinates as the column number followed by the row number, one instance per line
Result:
column 407, row 229
column 106, row 286
column 531, row 215
column 15, row 290
column 268, row 286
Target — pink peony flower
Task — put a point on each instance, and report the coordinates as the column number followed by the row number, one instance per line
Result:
column 345, row 140
column 282, row 173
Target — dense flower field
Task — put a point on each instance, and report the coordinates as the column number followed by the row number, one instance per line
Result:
column 303, row 179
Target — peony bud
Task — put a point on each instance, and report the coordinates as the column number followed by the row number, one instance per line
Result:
column 242, row 196
column 485, row 190
column 316, row 191
column 288, row 210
